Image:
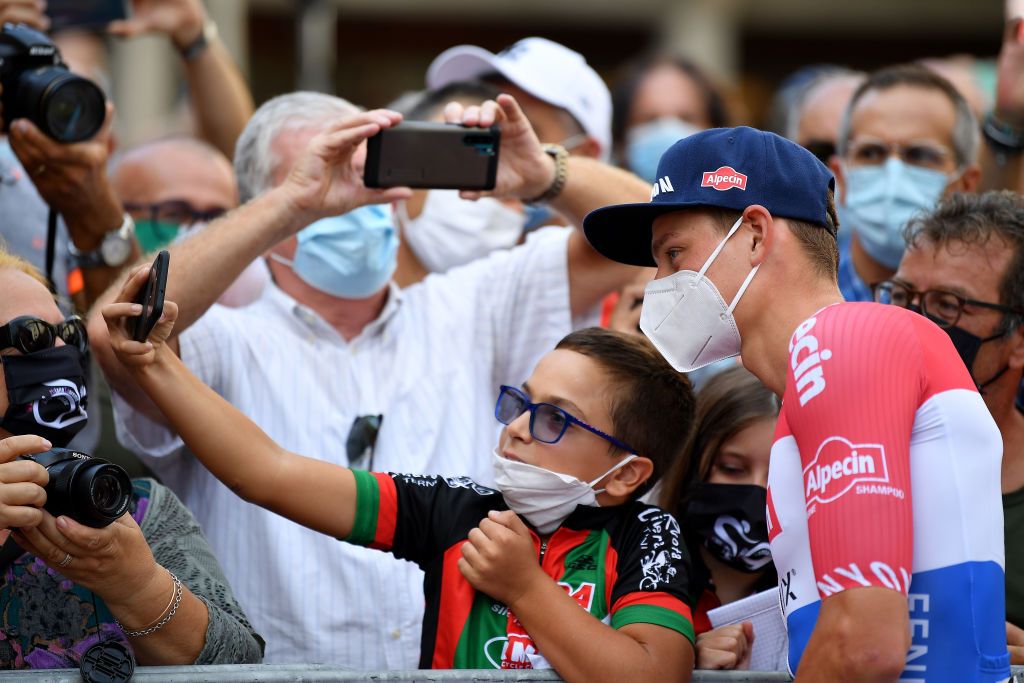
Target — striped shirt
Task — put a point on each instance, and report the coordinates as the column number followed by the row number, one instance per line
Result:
column 431, row 364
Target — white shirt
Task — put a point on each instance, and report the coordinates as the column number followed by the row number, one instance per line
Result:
column 431, row 364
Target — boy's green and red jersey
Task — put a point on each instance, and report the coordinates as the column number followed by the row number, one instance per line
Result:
column 625, row 565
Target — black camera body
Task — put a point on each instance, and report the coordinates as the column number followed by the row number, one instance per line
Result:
column 91, row 491
column 38, row 86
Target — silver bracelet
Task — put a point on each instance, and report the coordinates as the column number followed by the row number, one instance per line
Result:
column 160, row 624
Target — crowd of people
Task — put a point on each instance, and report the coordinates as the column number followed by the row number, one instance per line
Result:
column 667, row 364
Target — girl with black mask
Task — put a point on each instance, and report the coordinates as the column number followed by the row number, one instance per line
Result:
column 717, row 491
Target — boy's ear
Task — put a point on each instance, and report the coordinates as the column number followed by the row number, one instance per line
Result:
column 629, row 477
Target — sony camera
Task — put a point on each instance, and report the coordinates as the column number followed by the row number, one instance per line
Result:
column 38, row 86
column 91, row 491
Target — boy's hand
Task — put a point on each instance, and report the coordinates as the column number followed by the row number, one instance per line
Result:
column 1015, row 643
column 131, row 353
column 726, row 647
column 499, row 557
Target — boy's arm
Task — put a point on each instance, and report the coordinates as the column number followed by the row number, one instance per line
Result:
column 500, row 560
column 316, row 494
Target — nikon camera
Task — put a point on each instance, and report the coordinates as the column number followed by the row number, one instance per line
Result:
column 91, row 491
column 38, row 86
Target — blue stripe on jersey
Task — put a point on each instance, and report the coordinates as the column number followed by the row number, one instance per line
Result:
column 956, row 619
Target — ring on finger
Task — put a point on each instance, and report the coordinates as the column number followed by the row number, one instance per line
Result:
column 66, row 561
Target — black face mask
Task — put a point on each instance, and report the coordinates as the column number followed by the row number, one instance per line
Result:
column 730, row 518
column 968, row 345
column 46, row 391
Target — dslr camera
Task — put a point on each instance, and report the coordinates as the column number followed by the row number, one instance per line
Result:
column 91, row 491
column 38, row 86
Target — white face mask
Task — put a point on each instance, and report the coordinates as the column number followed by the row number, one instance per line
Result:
column 451, row 231
column 543, row 497
column 687, row 319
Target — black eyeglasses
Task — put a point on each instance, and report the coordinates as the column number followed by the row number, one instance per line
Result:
column 173, row 211
column 823, row 149
column 945, row 307
column 548, row 423
column 28, row 334
column 362, row 440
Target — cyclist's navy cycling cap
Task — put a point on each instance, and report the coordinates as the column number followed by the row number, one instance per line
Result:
column 729, row 168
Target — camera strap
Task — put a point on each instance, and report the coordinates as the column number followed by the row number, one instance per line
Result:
column 51, row 247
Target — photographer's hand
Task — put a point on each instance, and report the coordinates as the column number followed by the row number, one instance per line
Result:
column 22, row 482
column 525, row 171
column 181, row 20
column 29, row 12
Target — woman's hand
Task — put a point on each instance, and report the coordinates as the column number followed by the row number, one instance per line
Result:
column 22, row 492
column 115, row 562
column 133, row 354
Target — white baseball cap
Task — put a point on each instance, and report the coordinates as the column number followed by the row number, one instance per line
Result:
column 548, row 71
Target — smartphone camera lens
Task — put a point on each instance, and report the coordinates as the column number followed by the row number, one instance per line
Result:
column 484, row 144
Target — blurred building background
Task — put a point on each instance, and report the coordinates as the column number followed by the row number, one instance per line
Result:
column 371, row 51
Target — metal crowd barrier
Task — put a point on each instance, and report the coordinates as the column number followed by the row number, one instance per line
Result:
column 309, row 673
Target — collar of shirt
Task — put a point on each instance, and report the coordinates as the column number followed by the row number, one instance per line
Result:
column 850, row 284
column 275, row 300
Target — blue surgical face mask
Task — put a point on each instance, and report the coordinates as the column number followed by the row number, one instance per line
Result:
column 351, row 256
column 647, row 142
column 881, row 200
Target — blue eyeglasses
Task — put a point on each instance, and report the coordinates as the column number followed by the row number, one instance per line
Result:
column 548, row 422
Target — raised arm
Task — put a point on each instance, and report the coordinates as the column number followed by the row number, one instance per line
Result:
column 219, row 96
column 323, row 182
column 313, row 493
column 525, row 172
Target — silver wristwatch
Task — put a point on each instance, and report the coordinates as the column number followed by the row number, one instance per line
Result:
column 114, row 251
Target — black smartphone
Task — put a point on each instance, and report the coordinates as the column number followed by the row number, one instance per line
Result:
column 88, row 14
column 433, row 155
column 151, row 296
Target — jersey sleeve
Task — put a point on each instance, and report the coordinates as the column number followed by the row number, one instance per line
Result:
column 414, row 517
column 651, row 573
column 854, row 384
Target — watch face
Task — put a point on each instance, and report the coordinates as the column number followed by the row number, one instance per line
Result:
column 115, row 250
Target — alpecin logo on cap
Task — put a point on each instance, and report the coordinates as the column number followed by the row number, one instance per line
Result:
column 725, row 178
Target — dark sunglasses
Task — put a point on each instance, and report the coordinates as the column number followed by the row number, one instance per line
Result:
column 362, row 441
column 29, row 335
column 548, row 423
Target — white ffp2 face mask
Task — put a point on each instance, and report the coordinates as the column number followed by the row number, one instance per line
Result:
column 451, row 231
column 686, row 318
column 543, row 497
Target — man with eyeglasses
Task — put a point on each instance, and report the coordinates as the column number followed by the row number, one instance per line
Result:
column 907, row 138
column 964, row 270
column 177, row 185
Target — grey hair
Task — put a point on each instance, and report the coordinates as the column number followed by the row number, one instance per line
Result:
column 255, row 160
column 795, row 109
column 966, row 133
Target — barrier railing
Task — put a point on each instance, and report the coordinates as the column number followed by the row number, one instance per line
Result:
column 307, row 673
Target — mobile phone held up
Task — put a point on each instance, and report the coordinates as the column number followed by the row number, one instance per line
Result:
column 87, row 14
column 433, row 155
column 151, row 296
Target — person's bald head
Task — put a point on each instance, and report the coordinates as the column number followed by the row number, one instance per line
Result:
column 177, row 168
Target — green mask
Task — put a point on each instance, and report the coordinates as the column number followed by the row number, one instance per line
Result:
column 153, row 235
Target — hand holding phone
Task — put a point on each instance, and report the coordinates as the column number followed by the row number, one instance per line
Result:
column 151, row 297
column 433, row 155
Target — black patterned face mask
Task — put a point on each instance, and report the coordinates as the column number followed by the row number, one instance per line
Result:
column 47, row 395
column 731, row 520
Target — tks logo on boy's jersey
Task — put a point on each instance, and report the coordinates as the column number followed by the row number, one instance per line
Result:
column 839, row 465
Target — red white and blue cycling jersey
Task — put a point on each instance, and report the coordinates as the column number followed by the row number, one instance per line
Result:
column 885, row 472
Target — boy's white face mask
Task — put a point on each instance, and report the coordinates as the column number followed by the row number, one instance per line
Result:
column 543, row 497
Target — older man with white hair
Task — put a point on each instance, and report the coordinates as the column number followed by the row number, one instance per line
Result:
column 335, row 360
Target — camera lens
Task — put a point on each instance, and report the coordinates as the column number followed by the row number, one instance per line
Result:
column 106, row 493
column 66, row 107
column 73, row 108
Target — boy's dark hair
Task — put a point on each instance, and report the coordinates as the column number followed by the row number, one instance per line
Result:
column 652, row 405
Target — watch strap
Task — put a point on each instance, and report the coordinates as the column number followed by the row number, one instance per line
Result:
column 561, row 157
column 192, row 51
column 94, row 258
column 1002, row 136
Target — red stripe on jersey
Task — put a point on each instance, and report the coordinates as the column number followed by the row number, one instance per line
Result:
column 457, row 598
column 611, row 573
column 655, row 599
column 708, row 601
column 561, row 543
column 387, row 512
